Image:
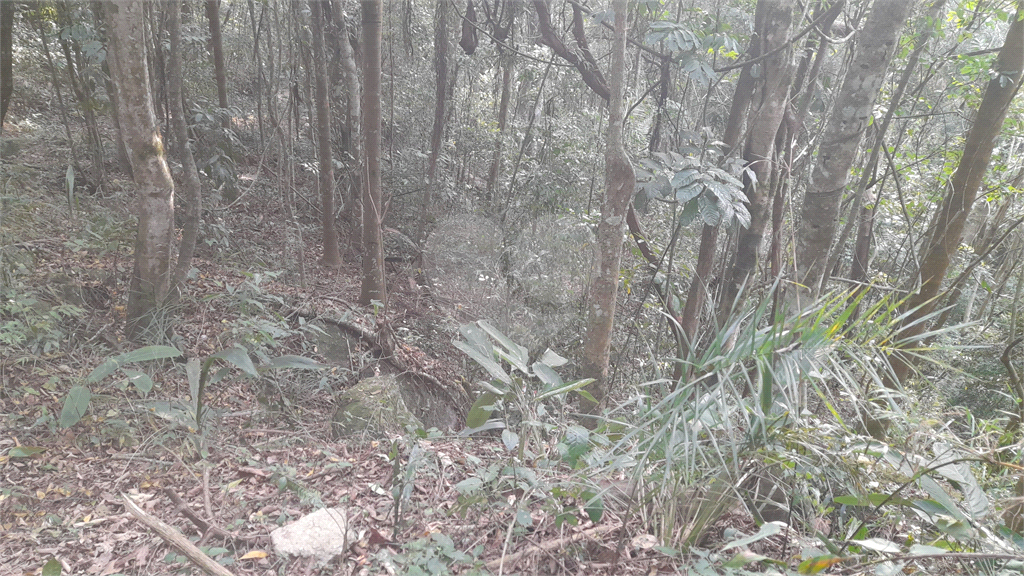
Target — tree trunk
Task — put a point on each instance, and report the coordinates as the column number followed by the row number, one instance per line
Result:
column 373, row 256
column 620, row 181
column 850, row 118
column 149, row 284
column 190, row 185
column 353, row 118
column 325, row 160
column 6, row 58
column 440, row 101
column 219, row 72
column 947, row 224
column 773, row 19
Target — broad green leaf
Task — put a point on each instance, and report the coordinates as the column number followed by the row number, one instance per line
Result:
column 594, row 506
column 480, row 413
column 239, row 358
column 516, row 355
column 292, row 361
column 469, row 485
column 142, row 382
column 925, row 550
column 25, row 451
column 524, row 519
column 110, row 365
column 486, row 362
column 552, row 359
column 767, row 529
column 878, row 545
column 743, row 558
column 510, row 439
column 547, row 375
column 51, row 568
column 75, row 406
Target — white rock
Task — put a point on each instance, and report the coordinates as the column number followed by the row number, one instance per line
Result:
column 323, row 534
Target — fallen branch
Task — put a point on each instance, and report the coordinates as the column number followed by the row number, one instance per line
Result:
column 171, row 535
column 210, row 529
column 549, row 546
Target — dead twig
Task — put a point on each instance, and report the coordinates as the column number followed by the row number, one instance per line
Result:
column 176, row 539
column 549, row 546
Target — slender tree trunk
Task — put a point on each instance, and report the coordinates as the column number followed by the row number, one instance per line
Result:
column 332, row 255
column 191, row 188
column 149, row 284
column 773, row 19
column 440, row 101
column 373, row 256
column 850, row 118
column 947, row 224
column 6, row 58
column 620, row 181
column 507, row 63
column 219, row 72
column 353, row 116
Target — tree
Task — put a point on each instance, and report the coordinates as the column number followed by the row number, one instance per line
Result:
column 191, row 187
column 441, row 43
column 850, row 117
column 773, row 20
column 947, row 224
column 325, row 159
column 620, row 181
column 373, row 251
column 150, row 281
column 217, row 46
column 6, row 58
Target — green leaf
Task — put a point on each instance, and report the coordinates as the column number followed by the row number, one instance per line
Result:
column 767, row 529
column 292, row 361
column 552, row 359
column 925, row 550
column 510, row 439
column 878, row 545
column 515, row 354
column 524, row 519
column 110, row 365
column 25, row 451
column 51, row 568
column 142, row 382
column 743, row 558
column 485, row 361
column 566, row 388
column 75, row 406
column 546, row 374
column 240, row 358
column 480, row 413
column 594, row 506
column 469, row 485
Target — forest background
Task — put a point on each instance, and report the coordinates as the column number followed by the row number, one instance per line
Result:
column 740, row 283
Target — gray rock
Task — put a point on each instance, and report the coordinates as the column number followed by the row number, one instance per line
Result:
column 323, row 534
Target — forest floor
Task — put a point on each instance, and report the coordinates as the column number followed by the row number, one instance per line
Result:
column 270, row 457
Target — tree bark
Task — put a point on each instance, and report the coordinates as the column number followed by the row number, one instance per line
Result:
column 850, row 118
column 6, row 58
column 353, row 117
column 373, row 255
column 773, row 20
column 947, row 224
column 219, row 72
column 325, row 160
column 440, row 102
column 620, row 181
column 150, row 282
column 190, row 185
